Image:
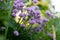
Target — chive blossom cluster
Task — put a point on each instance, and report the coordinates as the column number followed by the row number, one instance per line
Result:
column 30, row 15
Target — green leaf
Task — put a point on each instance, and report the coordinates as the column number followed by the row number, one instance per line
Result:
column 2, row 37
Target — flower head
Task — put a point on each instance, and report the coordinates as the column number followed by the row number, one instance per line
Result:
column 45, row 20
column 15, row 10
column 22, row 15
column 23, row 25
column 38, row 29
column 16, row 33
column 13, row 14
column 21, row 4
column 32, row 21
column 35, row 1
column 49, row 14
column 3, row 28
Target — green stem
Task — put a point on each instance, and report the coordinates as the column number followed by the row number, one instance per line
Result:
column 9, row 15
column 6, row 29
column 11, row 7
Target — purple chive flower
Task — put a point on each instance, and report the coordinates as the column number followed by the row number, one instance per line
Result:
column 49, row 14
column 16, row 1
column 37, row 12
column 3, row 28
column 35, row 1
column 28, row 14
column 34, row 7
column 16, row 6
column 29, row 9
column 37, row 21
column 13, row 14
column 22, row 15
column 32, row 21
column 41, row 22
column 21, row 4
column 51, row 35
column 38, row 29
column 16, row 33
column 52, row 16
column 37, row 16
column 45, row 20
column 21, row 0
column 23, row 25
column 15, row 10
